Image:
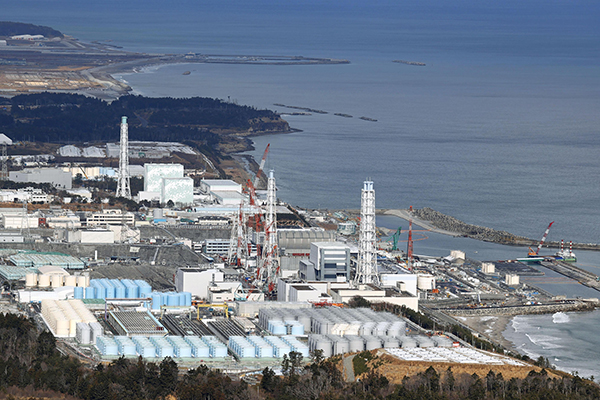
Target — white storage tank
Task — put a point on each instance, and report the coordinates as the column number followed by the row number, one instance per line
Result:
column 279, row 346
column 424, row 341
column 408, row 343
column 44, row 281
column 107, row 346
column 97, row 331
column 70, row 280
column 390, row 342
column 181, row 348
column 126, row 346
column 355, row 343
column 372, row 342
column 199, row 348
column 217, row 349
column 163, row 347
column 442, row 341
column 340, row 344
column 30, row 280
column 56, row 280
column 83, row 281
column 321, row 342
column 83, row 333
column 144, row 347
column 425, row 282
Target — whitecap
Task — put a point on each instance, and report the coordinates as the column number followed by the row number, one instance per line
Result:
column 544, row 341
column 560, row 318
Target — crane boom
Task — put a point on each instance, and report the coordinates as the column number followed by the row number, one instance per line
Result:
column 262, row 165
column 543, row 239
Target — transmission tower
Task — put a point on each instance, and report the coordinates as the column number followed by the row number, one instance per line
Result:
column 366, row 270
column 4, row 175
column 238, row 242
column 123, row 186
column 25, row 231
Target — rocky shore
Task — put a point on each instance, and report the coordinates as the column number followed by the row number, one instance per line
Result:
column 452, row 224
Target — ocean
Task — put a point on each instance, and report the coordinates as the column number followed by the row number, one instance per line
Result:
column 499, row 129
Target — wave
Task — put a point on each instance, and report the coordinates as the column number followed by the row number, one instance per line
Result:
column 560, row 318
column 544, row 341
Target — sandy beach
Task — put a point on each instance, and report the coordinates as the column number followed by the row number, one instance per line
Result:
column 491, row 327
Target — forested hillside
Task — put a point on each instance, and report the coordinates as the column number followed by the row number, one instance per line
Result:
column 8, row 29
column 71, row 118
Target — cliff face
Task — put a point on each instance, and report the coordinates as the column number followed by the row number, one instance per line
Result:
column 268, row 125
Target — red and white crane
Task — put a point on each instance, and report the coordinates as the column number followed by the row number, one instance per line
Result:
column 537, row 252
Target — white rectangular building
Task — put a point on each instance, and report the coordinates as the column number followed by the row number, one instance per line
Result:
column 57, row 177
column 196, row 280
column 111, row 217
column 178, row 190
column 154, row 173
column 220, row 185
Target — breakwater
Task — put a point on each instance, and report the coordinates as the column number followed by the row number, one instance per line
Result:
column 452, row 224
column 521, row 310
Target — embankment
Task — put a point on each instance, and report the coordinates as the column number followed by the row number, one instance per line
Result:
column 521, row 310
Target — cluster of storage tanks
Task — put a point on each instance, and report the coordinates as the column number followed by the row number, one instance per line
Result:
column 333, row 320
column 266, row 347
column 338, row 330
column 181, row 299
column 88, row 333
column 160, row 347
column 333, row 344
column 62, row 316
column 131, row 289
column 114, row 289
column 56, row 280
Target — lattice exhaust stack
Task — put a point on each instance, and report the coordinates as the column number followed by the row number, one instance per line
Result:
column 123, row 186
column 366, row 270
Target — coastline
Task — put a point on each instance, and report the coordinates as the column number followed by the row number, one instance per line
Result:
column 492, row 328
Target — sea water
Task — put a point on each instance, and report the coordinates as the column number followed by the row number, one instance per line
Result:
column 500, row 128
column 569, row 340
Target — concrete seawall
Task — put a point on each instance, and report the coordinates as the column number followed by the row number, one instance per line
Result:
column 521, row 310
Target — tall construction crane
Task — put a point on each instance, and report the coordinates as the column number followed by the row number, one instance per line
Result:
column 394, row 238
column 262, row 165
column 537, row 252
column 409, row 246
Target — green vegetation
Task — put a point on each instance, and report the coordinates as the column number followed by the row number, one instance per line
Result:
column 359, row 362
column 72, row 118
column 8, row 29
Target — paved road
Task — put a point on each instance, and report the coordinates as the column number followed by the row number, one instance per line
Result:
column 405, row 214
column 349, row 368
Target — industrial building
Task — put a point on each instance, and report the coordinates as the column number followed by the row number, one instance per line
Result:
column 178, row 190
column 132, row 323
column 216, row 246
column 154, row 173
column 29, row 195
column 166, row 182
column 111, row 217
column 223, row 191
column 376, row 294
column 96, row 235
column 196, row 280
column 55, row 176
column 329, row 261
column 294, row 246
